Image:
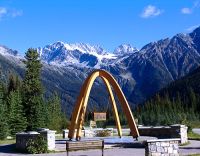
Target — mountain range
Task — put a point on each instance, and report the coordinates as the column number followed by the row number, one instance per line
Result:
column 140, row 73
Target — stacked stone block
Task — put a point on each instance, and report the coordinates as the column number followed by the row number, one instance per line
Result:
column 162, row 147
column 23, row 138
column 173, row 131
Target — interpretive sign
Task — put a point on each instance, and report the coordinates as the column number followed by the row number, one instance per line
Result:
column 99, row 116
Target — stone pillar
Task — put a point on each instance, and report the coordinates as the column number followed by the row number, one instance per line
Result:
column 162, row 147
column 180, row 131
column 50, row 137
column 65, row 133
column 23, row 138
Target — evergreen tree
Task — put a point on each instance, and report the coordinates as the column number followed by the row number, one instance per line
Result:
column 32, row 90
column 3, row 115
column 17, row 119
column 55, row 113
column 14, row 83
column 41, row 112
column 166, row 110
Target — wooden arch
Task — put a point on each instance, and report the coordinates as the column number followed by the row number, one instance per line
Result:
column 82, row 100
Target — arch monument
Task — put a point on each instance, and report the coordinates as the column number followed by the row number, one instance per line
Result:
column 79, row 111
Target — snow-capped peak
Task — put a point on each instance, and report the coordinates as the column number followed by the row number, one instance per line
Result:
column 124, row 49
column 82, row 47
column 78, row 53
column 6, row 51
column 85, row 48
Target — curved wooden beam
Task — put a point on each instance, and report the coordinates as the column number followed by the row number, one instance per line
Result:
column 76, row 111
column 114, row 107
column 81, row 104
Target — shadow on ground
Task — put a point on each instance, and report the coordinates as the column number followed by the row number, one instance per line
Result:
column 129, row 145
column 8, row 148
column 189, row 147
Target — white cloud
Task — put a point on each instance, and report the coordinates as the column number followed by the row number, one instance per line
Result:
column 150, row 11
column 191, row 28
column 5, row 12
column 186, row 11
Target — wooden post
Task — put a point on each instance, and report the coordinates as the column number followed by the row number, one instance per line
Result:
column 102, row 147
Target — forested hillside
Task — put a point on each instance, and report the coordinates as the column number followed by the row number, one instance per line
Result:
column 179, row 102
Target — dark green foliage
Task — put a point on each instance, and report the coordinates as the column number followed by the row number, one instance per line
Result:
column 14, row 83
column 65, row 122
column 32, row 91
column 177, row 103
column 22, row 106
column 3, row 115
column 57, row 119
column 55, row 114
column 37, row 145
column 17, row 120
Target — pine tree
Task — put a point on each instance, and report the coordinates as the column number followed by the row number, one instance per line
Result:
column 14, row 83
column 41, row 112
column 32, row 90
column 3, row 115
column 17, row 119
column 55, row 113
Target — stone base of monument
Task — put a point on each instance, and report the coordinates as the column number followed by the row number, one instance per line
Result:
column 162, row 147
column 85, row 133
column 23, row 138
column 89, row 132
column 172, row 131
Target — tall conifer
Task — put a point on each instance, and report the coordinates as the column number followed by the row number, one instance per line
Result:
column 32, row 90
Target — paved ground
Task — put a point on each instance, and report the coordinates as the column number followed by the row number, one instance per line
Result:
column 193, row 148
column 6, row 151
column 129, row 148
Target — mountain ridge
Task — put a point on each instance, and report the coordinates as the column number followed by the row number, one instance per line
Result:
column 139, row 73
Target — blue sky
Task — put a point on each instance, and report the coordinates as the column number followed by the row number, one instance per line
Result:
column 109, row 23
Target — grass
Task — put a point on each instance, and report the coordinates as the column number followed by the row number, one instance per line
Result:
column 193, row 136
column 194, row 155
column 7, row 141
column 193, row 124
column 59, row 137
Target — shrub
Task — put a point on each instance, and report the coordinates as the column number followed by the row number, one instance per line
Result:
column 37, row 145
column 102, row 133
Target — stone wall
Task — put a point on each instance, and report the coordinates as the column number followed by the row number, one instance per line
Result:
column 23, row 138
column 88, row 132
column 166, row 147
column 49, row 135
column 85, row 133
column 173, row 131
